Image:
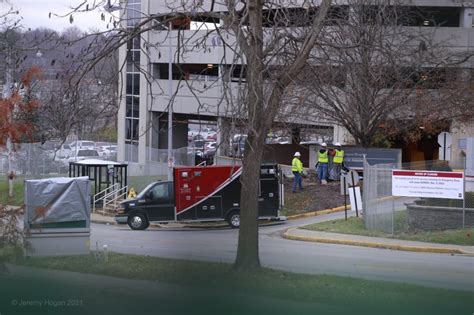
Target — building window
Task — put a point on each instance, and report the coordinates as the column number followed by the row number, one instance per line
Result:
column 430, row 16
column 133, row 83
column 202, row 72
column 133, row 12
column 132, row 107
column 131, row 130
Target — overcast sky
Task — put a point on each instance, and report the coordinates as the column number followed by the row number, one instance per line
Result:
column 35, row 14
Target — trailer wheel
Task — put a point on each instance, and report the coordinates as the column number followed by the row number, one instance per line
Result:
column 234, row 219
column 138, row 221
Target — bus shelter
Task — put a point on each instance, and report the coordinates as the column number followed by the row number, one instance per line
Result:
column 101, row 173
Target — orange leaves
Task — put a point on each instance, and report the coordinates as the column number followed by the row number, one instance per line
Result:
column 15, row 108
column 32, row 73
column 40, row 212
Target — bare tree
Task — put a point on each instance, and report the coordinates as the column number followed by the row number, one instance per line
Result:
column 271, row 42
column 262, row 43
column 71, row 101
column 370, row 69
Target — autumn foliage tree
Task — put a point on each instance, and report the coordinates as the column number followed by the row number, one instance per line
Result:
column 16, row 108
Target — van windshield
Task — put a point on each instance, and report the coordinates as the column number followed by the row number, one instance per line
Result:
column 142, row 193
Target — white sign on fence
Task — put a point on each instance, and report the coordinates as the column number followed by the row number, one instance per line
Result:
column 431, row 184
column 355, row 199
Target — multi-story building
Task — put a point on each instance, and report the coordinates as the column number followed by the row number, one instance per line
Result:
column 197, row 62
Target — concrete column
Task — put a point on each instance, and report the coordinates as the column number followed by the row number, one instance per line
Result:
column 467, row 17
column 470, row 156
column 143, row 124
column 121, row 111
column 341, row 135
column 223, row 136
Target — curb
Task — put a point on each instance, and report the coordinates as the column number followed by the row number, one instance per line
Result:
column 103, row 222
column 291, row 217
column 317, row 213
column 439, row 250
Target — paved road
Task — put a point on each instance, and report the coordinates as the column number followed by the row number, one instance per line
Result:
column 220, row 245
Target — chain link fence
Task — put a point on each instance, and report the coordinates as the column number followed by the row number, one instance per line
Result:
column 36, row 160
column 157, row 163
column 33, row 160
column 395, row 214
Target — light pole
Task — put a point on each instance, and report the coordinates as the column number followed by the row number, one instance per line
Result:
column 170, row 107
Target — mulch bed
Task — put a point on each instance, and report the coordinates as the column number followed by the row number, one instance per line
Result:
column 315, row 196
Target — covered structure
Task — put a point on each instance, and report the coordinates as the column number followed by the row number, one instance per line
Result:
column 103, row 173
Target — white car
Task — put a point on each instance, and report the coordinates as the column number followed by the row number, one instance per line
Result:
column 107, row 150
column 82, row 154
column 63, row 152
column 82, row 144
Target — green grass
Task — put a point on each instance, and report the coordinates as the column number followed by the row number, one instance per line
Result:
column 17, row 199
column 355, row 226
column 294, row 293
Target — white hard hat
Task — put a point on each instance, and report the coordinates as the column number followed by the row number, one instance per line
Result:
column 323, row 144
column 297, row 154
column 337, row 144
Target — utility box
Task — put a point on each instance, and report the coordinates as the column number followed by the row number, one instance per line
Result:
column 57, row 216
column 470, row 156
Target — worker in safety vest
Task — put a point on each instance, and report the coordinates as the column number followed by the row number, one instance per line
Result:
column 337, row 162
column 322, row 165
column 297, row 169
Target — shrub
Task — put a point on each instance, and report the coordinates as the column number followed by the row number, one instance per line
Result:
column 12, row 238
column 452, row 203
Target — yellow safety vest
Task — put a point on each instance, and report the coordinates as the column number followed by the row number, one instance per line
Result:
column 296, row 165
column 339, row 157
column 323, row 157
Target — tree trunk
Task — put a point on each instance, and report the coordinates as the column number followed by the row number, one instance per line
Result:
column 247, row 251
column 261, row 113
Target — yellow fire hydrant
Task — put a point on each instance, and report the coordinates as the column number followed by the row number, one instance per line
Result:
column 131, row 193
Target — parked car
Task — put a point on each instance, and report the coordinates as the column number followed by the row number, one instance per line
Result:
column 202, row 134
column 107, row 150
column 64, row 151
column 82, row 144
column 210, row 148
column 238, row 145
column 82, row 154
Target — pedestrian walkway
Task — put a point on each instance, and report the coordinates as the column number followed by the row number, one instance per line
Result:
column 375, row 242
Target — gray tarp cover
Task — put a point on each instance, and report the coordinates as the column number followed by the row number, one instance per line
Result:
column 64, row 199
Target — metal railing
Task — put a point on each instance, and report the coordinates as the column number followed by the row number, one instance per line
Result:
column 109, row 195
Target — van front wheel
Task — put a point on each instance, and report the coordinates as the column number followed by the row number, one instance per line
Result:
column 234, row 219
column 138, row 221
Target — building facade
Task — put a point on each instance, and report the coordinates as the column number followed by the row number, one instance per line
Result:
column 183, row 69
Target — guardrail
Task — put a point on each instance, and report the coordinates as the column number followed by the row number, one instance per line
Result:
column 109, row 195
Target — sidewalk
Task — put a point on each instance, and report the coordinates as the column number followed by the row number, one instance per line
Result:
column 102, row 219
column 375, row 242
